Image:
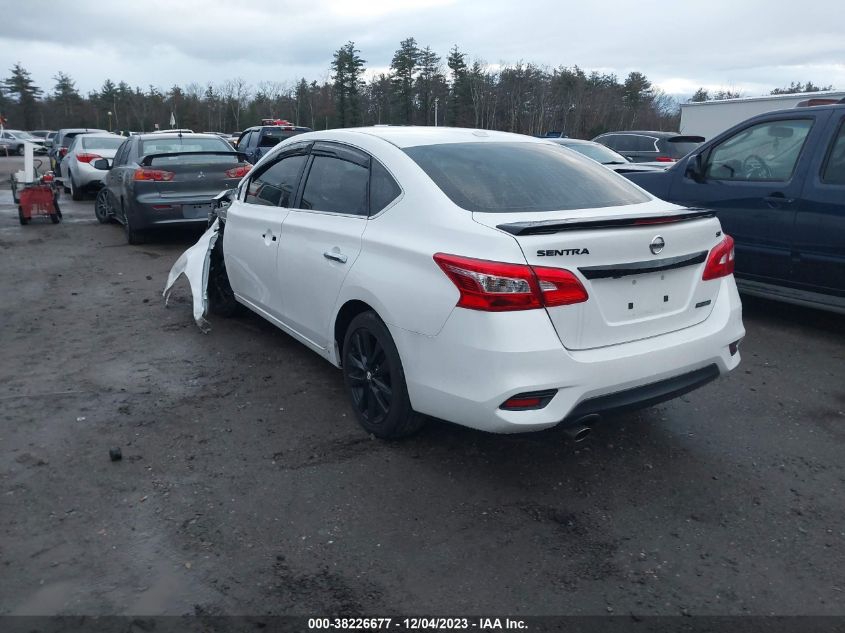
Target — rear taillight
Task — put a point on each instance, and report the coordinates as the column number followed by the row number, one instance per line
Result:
column 664, row 159
column 87, row 158
column 153, row 174
column 559, row 287
column 62, row 151
column 499, row 287
column 238, row 172
column 720, row 262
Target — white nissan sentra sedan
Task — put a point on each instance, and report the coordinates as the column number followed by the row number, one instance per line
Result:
column 493, row 280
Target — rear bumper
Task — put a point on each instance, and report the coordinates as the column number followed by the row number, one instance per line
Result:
column 155, row 211
column 479, row 360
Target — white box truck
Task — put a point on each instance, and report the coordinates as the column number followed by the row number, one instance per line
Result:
column 709, row 118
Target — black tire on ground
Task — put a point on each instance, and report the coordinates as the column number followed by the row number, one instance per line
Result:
column 55, row 218
column 102, row 209
column 75, row 192
column 221, row 299
column 57, row 207
column 375, row 379
column 21, row 218
column 20, row 150
column 133, row 236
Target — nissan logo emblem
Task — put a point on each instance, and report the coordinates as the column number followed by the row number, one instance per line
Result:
column 656, row 245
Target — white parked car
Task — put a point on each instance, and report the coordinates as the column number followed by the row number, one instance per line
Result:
column 78, row 173
column 484, row 278
column 12, row 141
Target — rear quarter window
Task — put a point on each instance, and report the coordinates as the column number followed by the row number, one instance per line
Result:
column 834, row 169
column 522, row 177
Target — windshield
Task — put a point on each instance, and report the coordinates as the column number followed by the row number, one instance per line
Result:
column 597, row 152
column 101, row 142
column 521, row 177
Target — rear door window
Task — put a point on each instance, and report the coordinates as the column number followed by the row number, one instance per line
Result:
column 338, row 182
column 764, row 152
column 522, row 177
column 834, row 170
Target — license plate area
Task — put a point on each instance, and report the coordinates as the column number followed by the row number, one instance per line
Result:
column 638, row 297
column 195, row 211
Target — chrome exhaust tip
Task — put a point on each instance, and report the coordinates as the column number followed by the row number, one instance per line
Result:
column 581, row 428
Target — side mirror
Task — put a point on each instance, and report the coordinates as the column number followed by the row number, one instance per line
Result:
column 101, row 163
column 695, row 168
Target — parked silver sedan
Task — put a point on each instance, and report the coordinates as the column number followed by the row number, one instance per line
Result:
column 12, row 142
column 78, row 174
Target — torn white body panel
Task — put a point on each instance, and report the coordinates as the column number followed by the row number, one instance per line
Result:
column 194, row 263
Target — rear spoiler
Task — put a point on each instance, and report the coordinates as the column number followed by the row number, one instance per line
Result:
column 686, row 139
column 148, row 159
column 546, row 227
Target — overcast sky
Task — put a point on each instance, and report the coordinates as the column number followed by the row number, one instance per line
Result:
column 749, row 46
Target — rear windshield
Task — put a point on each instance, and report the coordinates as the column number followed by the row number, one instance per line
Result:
column 271, row 138
column 597, row 152
column 679, row 150
column 184, row 144
column 521, row 177
column 187, row 144
column 101, row 142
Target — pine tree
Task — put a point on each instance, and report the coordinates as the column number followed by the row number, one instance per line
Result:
column 460, row 97
column 700, row 96
column 65, row 94
column 21, row 87
column 348, row 68
column 405, row 65
column 427, row 82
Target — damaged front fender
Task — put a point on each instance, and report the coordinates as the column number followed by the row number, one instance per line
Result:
column 195, row 264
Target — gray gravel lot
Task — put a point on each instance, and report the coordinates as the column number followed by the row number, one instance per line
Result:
column 246, row 487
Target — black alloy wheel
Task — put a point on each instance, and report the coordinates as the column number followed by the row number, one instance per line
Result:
column 375, row 380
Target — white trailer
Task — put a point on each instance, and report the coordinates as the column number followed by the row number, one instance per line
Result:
column 709, row 118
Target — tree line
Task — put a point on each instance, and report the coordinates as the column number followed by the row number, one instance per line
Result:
column 418, row 89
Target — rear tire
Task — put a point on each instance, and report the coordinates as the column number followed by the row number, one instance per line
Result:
column 22, row 218
column 375, row 379
column 102, row 209
column 20, row 150
column 133, row 236
column 75, row 192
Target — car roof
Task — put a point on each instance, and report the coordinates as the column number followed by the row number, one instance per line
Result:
column 158, row 136
column 100, row 135
column 68, row 130
column 571, row 141
column 403, row 136
column 653, row 133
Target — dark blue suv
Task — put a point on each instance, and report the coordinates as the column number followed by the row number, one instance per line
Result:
column 777, row 183
column 256, row 141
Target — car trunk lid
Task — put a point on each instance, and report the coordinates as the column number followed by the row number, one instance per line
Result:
column 194, row 174
column 642, row 269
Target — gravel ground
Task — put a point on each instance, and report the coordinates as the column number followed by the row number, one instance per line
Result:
column 247, row 488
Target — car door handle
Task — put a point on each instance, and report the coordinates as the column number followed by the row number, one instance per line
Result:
column 777, row 199
column 338, row 257
column 272, row 237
